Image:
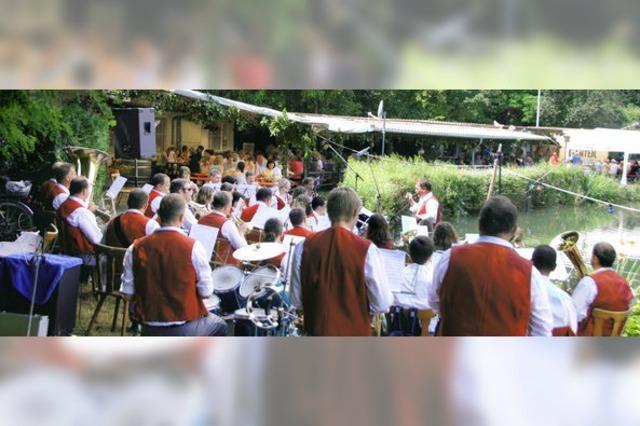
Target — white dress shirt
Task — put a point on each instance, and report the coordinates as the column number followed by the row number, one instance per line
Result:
column 585, row 293
column 231, row 233
column 431, row 207
column 214, row 186
column 155, row 204
column 60, row 198
column 541, row 320
column 85, row 220
column 378, row 290
column 199, row 259
column 416, row 280
column 564, row 313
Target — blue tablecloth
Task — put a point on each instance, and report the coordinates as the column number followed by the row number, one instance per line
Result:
column 18, row 271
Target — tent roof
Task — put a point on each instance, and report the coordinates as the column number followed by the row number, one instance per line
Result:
column 355, row 125
column 603, row 140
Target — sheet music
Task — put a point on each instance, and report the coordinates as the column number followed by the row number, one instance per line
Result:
column 365, row 211
column 408, row 224
column 247, row 191
column 423, row 230
column 116, row 187
column 290, row 242
column 262, row 215
column 283, row 214
column 147, row 187
column 394, row 261
column 207, row 236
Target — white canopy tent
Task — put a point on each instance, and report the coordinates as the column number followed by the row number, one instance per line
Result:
column 355, row 125
column 602, row 140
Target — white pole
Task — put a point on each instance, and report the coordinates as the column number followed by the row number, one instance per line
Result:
column 625, row 165
column 538, row 110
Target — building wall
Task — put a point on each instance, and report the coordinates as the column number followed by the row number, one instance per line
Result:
column 192, row 134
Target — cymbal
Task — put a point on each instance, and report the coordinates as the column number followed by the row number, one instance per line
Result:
column 258, row 251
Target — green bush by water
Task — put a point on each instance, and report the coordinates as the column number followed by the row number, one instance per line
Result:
column 462, row 191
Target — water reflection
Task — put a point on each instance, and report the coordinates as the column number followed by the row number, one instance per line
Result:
column 595, row 223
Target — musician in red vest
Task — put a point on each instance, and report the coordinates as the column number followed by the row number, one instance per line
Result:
column 486, row 288
column 604, row 289
column 45, row 193
column 281, row 196
column 124, row 229
column 298, row 220
column 167, row 274
column 338, row 278
column 230, row 236
column 263, row 198
column 80, row 230
column 427, row 208
column 565, row 322
column 160, row 183
column 65, row 173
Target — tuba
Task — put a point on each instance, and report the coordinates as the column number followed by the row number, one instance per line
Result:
column 568, row 245
column 87, row 162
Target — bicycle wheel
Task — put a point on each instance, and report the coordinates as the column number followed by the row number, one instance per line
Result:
column 14, row 218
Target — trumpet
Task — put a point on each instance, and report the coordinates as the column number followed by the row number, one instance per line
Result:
column 243, row 226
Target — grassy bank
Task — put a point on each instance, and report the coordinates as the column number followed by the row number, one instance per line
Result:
column 462, row 191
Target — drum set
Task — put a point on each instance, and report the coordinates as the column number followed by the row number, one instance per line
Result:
column 254, row 298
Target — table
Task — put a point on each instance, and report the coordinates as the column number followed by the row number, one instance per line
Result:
column 56, row 293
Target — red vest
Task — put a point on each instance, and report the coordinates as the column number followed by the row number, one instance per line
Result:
column 334, row 294
column 299, row 231
column 152, row 196
column 223, row 249
column 486, row 292
column 565, row 331
column 55, row 191
column 423, row 210
column 280, row 203
column 249, row 212
column 614, row 294
column 74, row 243
column 133, row 226
column 165, row 279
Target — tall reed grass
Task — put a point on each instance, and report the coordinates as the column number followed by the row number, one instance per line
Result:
column 462, row 191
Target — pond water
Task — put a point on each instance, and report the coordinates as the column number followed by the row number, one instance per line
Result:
column 594, row 222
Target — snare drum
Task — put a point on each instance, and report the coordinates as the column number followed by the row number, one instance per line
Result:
column 265, row 276
column 226, row 281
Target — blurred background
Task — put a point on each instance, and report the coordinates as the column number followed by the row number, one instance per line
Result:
column 319, row 44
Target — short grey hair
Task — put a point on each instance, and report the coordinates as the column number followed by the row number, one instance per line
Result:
column 221, row 199
column 171, row 207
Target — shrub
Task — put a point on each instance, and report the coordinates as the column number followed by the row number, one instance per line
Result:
column 463, row 190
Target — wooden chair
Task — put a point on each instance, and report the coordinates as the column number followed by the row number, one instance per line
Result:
column 50, row 237
column 601, row 316
column 425, row 316
column 107, row 283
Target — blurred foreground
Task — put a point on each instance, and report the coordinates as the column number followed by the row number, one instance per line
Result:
column 192, row 381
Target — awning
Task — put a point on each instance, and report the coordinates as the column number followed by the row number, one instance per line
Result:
column 357, row 125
